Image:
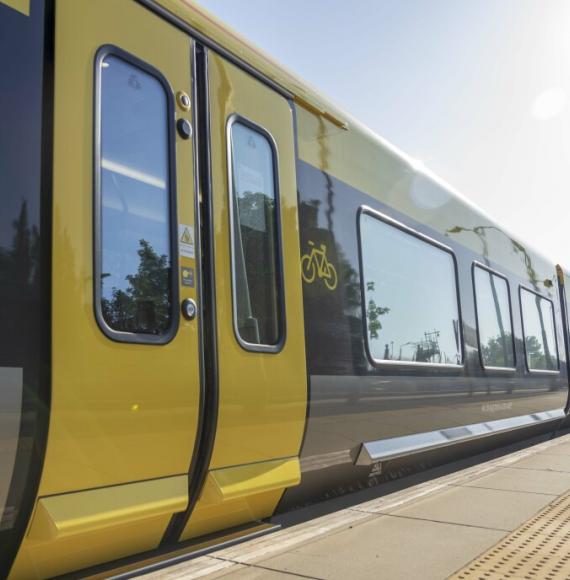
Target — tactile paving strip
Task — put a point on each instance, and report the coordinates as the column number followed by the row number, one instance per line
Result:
column 538, row 550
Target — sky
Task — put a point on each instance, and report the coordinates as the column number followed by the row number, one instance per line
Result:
column 477, row 90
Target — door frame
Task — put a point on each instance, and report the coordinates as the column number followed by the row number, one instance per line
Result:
column 206, row 292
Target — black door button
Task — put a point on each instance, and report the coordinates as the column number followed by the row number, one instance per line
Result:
column 184, row 128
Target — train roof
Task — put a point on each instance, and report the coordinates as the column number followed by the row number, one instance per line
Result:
column 366, row 161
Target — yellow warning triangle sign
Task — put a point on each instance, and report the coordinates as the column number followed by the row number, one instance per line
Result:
column 186, row 237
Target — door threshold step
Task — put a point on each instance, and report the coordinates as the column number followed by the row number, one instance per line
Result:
column 134, row 566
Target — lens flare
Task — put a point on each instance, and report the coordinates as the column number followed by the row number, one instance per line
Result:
column 549, row 104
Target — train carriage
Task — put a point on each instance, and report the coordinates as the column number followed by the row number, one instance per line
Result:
column 222, row 298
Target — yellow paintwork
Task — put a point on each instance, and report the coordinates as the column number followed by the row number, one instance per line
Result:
column 236, row 482
column 263, row 396
column 22, row 6
column 241, row 494
column 48, row 559
column 72, row 514
column 124, row 415
column 120, row 413
column 212, row 515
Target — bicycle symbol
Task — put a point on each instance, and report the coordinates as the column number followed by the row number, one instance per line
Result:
column 316, row 264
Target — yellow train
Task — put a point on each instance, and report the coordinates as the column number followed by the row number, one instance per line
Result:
column 221, row 297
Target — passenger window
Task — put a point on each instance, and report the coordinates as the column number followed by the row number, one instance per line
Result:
column 254, row 237
column 493, row 319
column 134, row 201
column 410, row 295
column 539, row 334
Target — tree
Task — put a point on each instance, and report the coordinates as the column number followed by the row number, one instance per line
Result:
column 25, row 249
column 520, row 250
column 535, row 355
column 496, row 353
column 373, row 313
column 144, row 306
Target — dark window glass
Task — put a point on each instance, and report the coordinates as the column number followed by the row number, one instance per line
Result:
column 412, row 314
column 136, row 261
column 24, row 251
column 494, row 319
column 254, row 237
column 539, row 333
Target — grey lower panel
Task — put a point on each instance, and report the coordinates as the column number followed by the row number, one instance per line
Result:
column 347, row 410
column 11, row 386
column 376, row 451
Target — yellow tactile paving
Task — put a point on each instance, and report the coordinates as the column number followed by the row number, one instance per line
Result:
column 539, row 549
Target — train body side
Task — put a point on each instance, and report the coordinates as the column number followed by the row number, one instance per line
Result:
column 353, row 400
column 130, row 467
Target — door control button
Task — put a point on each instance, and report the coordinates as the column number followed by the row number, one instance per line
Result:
column 183, row 100
column 189, row 309
column 184, row 128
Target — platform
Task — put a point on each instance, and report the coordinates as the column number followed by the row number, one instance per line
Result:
column 504, row 514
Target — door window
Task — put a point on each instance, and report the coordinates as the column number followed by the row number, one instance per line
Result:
column 134, row 202
column 257, row 293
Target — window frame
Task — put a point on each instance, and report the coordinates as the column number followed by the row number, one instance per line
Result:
column 481, row 266
column 380, row 363
column 528, row 369
column 233, row 119
column 117, row 335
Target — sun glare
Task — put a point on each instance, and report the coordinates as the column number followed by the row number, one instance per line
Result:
column 549, row 104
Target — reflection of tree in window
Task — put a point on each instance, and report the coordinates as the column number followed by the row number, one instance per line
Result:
column 539, row 331
column 135, row 197
column 254, row 237
column 22, row 261
column 410, row 296
column 549, row 360
column 144, row 306
column 373, row 313
column 546, row 360
column 493, row 319
column 258, row 290
column 496, row 352
column 502, row 335
column 535, row 354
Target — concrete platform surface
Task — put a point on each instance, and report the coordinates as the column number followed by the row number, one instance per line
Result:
column 429, row 526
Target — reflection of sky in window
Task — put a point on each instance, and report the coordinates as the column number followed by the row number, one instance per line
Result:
column 533, row 327
column 487, row 319
column 253, row 172
column 254, row 240
column 416, row 281
column 134, row 151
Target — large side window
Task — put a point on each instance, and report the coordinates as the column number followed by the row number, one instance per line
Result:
column 539, row 333
column 134, row 202
column 494, row 323
column 410, row 295
column 257, row 291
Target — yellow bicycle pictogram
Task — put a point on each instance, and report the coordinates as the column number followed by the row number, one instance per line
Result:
column 316, row 264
